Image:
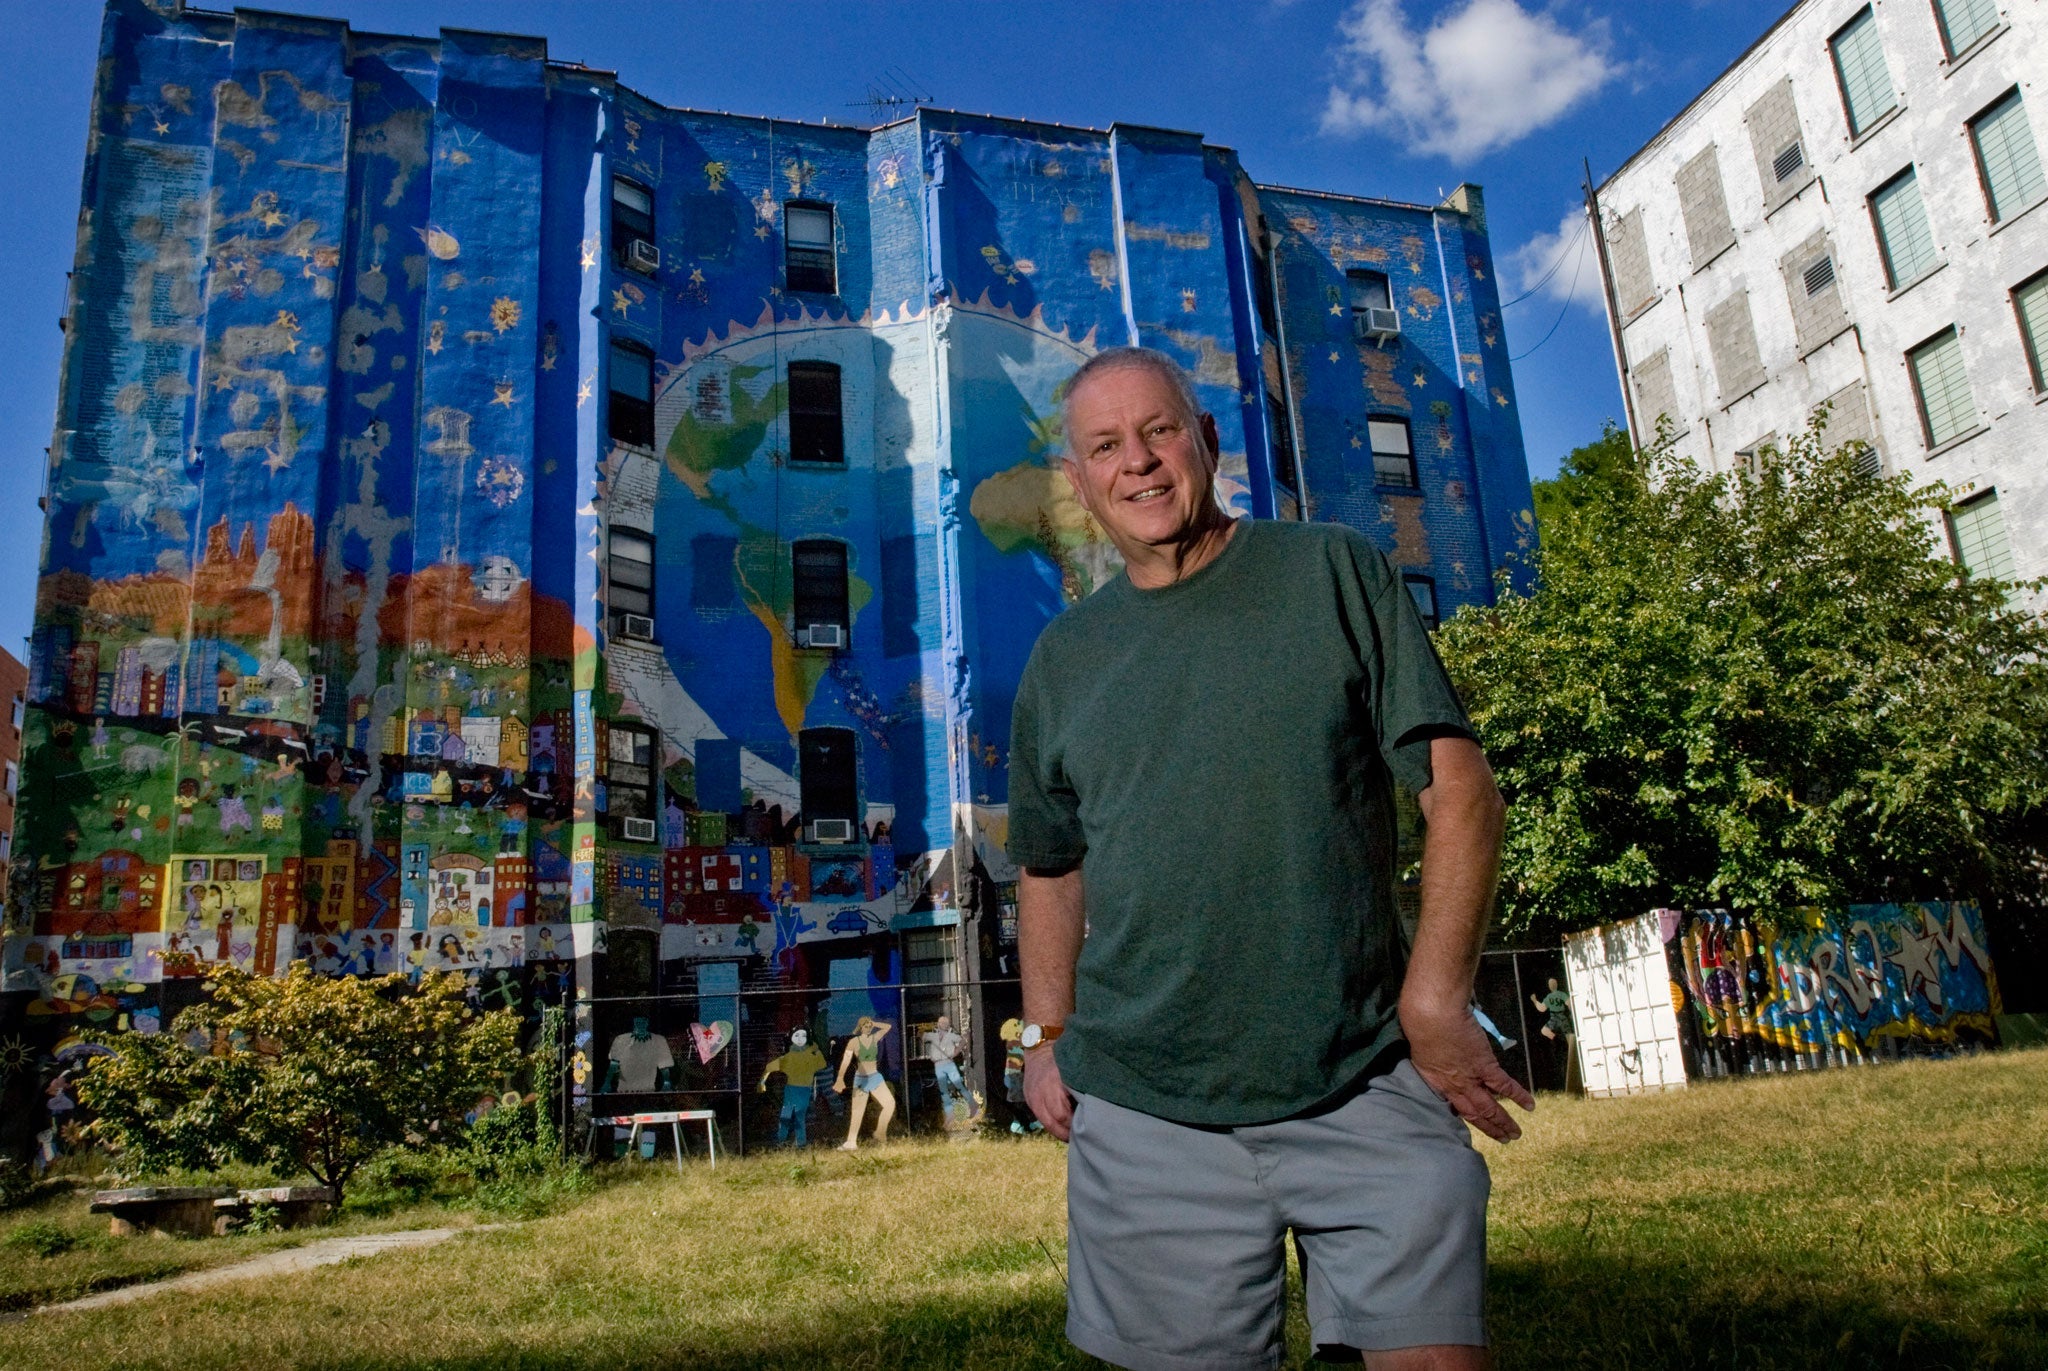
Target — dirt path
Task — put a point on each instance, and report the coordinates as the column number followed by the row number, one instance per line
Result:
column 325, row 1252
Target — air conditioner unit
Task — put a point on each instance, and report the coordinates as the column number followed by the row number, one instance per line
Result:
column 831, row 830
column 639, row 831
column 821, row 635
column 1379, row 325
column 643, row 257
column 639, row 626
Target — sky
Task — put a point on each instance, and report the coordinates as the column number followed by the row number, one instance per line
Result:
column 1401, row 99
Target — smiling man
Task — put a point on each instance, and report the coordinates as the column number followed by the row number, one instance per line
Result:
column 1202, row 764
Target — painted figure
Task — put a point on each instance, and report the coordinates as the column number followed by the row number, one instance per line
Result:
column 1558, row 1005
column 1187, row 1170
column 234, row 812
column 864, row 1052
column 640, row 1061
column 1492, row 1031
column 800, row 1067
column 1022, row 1120
column 942, row 1050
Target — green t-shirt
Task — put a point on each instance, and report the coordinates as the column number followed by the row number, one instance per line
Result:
column 1222, row 753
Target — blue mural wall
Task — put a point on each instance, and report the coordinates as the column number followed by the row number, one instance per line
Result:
column 329, row 661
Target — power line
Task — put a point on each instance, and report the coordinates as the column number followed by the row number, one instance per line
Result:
column 1556, row 262
column 1569, row 292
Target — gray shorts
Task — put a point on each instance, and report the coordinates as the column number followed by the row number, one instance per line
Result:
column 1175, row 1233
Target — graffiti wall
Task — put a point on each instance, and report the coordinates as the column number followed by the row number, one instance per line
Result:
column 1829, row 987
column 499, row 523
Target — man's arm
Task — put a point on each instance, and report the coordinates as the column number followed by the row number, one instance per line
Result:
column 1050, row 924
column 1464, row 815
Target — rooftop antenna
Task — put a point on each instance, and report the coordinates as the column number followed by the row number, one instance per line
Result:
column 890, row 94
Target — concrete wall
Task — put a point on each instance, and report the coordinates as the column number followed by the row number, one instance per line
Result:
column 1852, row 341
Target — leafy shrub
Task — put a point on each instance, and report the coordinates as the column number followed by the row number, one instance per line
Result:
column 17, row 1183
column 397, row 1176
column 43, row 1238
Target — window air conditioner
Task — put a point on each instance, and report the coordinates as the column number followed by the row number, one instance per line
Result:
column 643, row 257
column 822, row 635
column 1379, row 325
column 831, row 830
column 638, row 831
column 639, row 626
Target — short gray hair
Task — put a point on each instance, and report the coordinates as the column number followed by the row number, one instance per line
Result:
column 1116, row 359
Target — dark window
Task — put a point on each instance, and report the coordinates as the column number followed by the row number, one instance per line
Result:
column 1393, row 455
column 828, row 774
column 631, row 418
column 817, row 427
column 819, row 574
column 1369, row 290
column 809, row 259
column 710, row 225
column 630, row 585
column 1422, row 589
column 632, row 216
column 629, row 772
column 1282, row 434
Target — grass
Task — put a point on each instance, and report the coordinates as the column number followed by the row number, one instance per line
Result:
column 1894, row 1217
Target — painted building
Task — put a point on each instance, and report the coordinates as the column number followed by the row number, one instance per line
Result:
column 1849, row 216
column 494, row 517
column 14, row 694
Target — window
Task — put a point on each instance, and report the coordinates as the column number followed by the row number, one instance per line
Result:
column 629, row 772
column 6, row 846
column 1867, row 92
column 1422, row 589
column 1963, row 22
column 1656, row 397
column 1731, row 337
column 1704, row 205
column 817, row 428
column 1628, row 253
column 1903, row 237
column 631, row 416
column 1393, row 456
column 2029, row 302
column 2006, row 158
column 828, row 778
column 1942, row 387
column 632, row 216
column 1818, row 312
column 818, row 570
column 1779, row 144
column 809, row 260
column 630, row 585
column 1282, row 434
column 1976, row 529
column 17, row 713
column 1369, row 290
column 13, row 779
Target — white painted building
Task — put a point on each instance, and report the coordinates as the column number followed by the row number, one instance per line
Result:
column 1853, row 212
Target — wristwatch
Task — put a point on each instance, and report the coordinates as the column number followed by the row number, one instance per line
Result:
column 1036, row 1033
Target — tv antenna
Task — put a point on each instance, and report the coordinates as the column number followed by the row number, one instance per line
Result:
column 894, row 91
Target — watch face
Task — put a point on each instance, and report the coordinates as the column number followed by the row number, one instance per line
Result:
column 1032, row 1036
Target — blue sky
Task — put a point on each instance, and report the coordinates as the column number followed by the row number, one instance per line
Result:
column 1396, row 98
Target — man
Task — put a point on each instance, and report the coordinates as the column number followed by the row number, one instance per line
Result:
column 1201, row 769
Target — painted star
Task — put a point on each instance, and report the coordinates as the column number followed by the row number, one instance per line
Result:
column 223, row 381
column 621, row 303
column 1355, row 442
column 589, row 253
column 761, row 231
column 276, row 461
column 696, row 276
column 1333, row 354
column 1336, row 308
column 583, row 389
column 162, row 128
column 502, row 394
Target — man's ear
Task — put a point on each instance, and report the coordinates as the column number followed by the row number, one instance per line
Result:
column 1210, row 441
column 1070, row 469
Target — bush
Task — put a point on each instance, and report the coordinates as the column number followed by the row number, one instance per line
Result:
column 399, row 1175
column 17, row 1183
column 43, row 1238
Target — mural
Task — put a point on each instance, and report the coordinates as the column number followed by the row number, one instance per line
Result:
column 1832, row 987
column 441, row 436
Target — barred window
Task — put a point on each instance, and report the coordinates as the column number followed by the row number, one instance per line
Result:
column 1942, row 388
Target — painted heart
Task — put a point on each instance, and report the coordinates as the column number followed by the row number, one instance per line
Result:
column 711, row 1038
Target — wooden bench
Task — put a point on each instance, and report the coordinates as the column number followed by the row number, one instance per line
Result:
column 180, row 1210
column 674, row 1118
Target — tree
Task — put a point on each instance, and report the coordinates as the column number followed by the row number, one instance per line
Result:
column 1754, row 691
column 306, row 1074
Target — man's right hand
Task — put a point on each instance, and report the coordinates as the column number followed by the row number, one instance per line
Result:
column 1046, row 1093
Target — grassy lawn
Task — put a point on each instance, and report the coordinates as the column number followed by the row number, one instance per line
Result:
column 1892, row 1217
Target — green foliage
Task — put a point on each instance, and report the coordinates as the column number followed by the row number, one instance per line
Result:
column 17, row 1183
column 1600, row 466
column 42, row 1238
column 1756, row 691
column 306, row 1074
column 398, row 1176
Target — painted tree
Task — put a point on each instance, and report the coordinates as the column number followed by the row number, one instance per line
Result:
column 306, row 1074
column 1753, row 690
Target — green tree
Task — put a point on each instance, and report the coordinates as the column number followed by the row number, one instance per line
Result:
column 1585, row 472
column 1755, row 691
column 306, row 1074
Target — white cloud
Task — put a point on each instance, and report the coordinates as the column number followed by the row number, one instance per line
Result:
column 1479, row 79
column 1561, row 265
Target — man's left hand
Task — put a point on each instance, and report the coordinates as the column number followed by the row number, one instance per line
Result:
column 1452, row 1055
